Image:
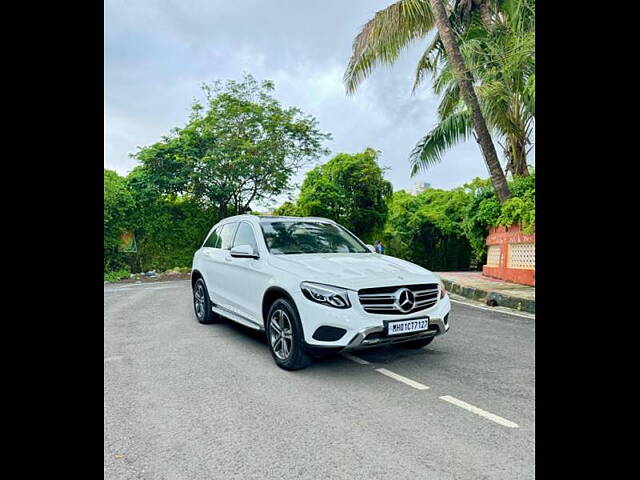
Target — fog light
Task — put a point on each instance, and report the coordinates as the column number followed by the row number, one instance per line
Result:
column 327, row 333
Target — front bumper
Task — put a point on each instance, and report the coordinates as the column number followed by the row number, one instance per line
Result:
column 363, row 329
column 374, row 336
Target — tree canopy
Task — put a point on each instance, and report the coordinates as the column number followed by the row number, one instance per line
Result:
column 239, row 146
column 499, row 49
column 481, row 57
column 350, row 189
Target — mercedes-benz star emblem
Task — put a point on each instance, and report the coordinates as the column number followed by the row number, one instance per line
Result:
column 404, row 299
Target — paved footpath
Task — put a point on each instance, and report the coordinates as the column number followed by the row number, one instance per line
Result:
column 190, row 401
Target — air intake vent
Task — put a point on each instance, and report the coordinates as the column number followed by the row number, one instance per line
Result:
column 328, row 334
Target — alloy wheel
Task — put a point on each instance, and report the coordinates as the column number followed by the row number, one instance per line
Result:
column 199, row 301
column 280, row 334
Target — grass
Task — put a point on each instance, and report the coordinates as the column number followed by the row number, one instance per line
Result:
column 124, row 273
column 117, row 275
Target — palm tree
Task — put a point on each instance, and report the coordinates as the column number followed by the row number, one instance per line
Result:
column 464, row 80
column 392, row 29
column 505, row 64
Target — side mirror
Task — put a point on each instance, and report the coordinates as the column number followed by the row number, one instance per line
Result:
column 243, row 251
column 371, row 248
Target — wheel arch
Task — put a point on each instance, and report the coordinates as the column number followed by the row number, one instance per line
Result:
column 195, row 275
column 270, row 296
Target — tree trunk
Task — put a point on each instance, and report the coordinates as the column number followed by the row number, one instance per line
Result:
column 485, row 13
column 465, row 82
column 518, row 157
column 222, row 210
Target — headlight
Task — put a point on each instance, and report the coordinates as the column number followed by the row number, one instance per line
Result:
column 443, row 291
column 326, row 294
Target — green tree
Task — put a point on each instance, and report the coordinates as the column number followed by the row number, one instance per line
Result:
column 349, row 189
column 503, row 61
column 239, row 146
column 391, row 30
column 287, row 209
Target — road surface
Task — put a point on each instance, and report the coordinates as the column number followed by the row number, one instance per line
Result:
column 190, row 401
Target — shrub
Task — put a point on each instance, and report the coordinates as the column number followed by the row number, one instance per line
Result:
column 427, row 229
column 485, row 211
column 168, row 228
column 119, row 207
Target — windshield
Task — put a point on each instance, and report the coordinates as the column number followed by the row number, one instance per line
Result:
column 290, row 237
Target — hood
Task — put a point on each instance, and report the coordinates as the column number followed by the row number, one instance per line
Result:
column 353, row 270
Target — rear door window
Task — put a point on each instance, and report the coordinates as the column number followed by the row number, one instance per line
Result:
column 214, row 239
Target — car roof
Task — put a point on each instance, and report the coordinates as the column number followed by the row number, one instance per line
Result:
column 281, row 218
column 273, row 218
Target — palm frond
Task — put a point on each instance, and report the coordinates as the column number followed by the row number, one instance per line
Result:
column 384, row 36
column 428, row 151
column 443, row 79
column 451, row 100
column 530, row 95
column 430, row 60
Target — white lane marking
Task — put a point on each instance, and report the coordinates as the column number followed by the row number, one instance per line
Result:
column 479, row 411
column 113, row 359
column 402, row 379
column 353, row 358
column 493, row 309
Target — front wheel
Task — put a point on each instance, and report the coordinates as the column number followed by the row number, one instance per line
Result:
column 202, row 303
column 285, row 337
column 417, row 343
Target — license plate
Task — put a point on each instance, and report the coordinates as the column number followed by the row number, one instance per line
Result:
column 407, row 326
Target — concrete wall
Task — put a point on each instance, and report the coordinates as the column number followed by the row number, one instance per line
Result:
column 506, row 242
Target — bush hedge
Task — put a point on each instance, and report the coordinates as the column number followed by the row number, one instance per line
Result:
column 438, row 229
column 168, row 229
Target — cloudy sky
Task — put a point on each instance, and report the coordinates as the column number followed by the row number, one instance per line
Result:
column 159, row 52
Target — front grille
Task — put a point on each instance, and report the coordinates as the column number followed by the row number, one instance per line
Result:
column 383, row 299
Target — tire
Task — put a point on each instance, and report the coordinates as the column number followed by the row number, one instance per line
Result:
column 202, row 303
column 417, row 343
column 287, row 351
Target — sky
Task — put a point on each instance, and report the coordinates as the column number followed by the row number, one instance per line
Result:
column 158, row 53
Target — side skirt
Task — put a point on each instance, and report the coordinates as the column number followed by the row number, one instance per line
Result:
column 236, row 317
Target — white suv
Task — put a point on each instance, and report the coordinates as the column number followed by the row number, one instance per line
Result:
column 314, row 287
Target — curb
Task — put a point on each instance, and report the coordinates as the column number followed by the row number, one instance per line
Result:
column 502, row 300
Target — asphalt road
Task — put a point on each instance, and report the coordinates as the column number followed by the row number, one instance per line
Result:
column 190, row 401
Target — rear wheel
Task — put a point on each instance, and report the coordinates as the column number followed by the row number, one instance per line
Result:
column 202, row 303
column 417, row 343
column 285, row 337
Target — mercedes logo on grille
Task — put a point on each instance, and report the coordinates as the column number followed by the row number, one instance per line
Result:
column 405, row 299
